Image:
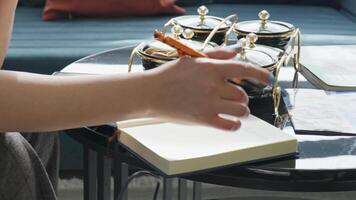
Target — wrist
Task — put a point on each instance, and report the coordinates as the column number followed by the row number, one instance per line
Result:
column 148, row 95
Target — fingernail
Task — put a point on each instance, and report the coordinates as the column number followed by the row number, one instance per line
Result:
column 272, row 80
column 234, row 128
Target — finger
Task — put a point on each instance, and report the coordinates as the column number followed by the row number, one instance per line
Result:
column 233, row 69
column 226, row 124
column 178, row 10
column 234, row 93
column 221, row 53
column 234, row 109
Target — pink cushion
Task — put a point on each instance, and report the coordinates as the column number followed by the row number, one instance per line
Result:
column 64, row 9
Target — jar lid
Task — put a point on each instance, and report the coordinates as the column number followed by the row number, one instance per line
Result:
column 158, row 50
column 264, row 26
column 258, row 58
column 259, row 55
column 201, row 21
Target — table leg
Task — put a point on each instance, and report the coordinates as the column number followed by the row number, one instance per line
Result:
column 104, row 177
column 182, row 189
column 197, row 189
column 121, row 174
column 90, row 174
column 167, row 188
column 117, row 178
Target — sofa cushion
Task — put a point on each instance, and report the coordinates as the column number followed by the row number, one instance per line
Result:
column 45, row 47
column 40, row 3
column 301, row 2
column 64, row 9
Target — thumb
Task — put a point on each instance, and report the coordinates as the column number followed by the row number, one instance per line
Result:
column 222, row 53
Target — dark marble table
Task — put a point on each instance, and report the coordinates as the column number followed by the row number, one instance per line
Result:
column 324, row 164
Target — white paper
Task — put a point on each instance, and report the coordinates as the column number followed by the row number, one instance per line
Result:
column 317, row 110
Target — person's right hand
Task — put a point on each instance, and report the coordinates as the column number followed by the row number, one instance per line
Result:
column 196, row 90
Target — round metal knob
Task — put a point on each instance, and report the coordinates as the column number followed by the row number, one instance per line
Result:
column 188, row 33
column 177, row 31
column 264, row 16
column 251, row 39
column 243, row 43
column 202, row 11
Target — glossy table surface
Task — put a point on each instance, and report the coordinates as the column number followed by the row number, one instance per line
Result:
column 324, row 163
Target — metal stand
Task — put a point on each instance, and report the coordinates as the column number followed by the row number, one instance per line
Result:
column 182, row 189
column 121, row 174
column 167, row 188
column 90, row 174
column 104, row 177
column 197, row 189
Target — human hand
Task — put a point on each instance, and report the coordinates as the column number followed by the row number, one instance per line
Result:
column 196, row 89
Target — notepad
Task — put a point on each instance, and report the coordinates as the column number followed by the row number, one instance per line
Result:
column 317, row 112
column 330, row 67
column 180, row 149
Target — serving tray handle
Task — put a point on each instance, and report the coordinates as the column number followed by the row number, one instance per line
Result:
column 232, row 18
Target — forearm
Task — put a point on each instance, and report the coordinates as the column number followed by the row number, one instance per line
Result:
column 7, row 13
column 32, row 102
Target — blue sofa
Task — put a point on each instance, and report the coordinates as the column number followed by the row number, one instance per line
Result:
column 45, row 47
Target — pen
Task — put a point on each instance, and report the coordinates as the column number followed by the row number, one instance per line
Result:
column 183, row 50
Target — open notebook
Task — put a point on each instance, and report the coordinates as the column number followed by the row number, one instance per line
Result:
column 179, row 149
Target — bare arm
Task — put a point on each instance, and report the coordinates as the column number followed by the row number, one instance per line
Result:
column 186, row 90
column 31, row 102
column 7, row 13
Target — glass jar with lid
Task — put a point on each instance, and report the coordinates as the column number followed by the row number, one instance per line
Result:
column 203, row 24
column 154, row 53
column 270, row 33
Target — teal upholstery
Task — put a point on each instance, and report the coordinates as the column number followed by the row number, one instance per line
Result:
column 194, row 2
column 349, row 6
column 45, row 47
column 303, row 2
column 32, row 3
